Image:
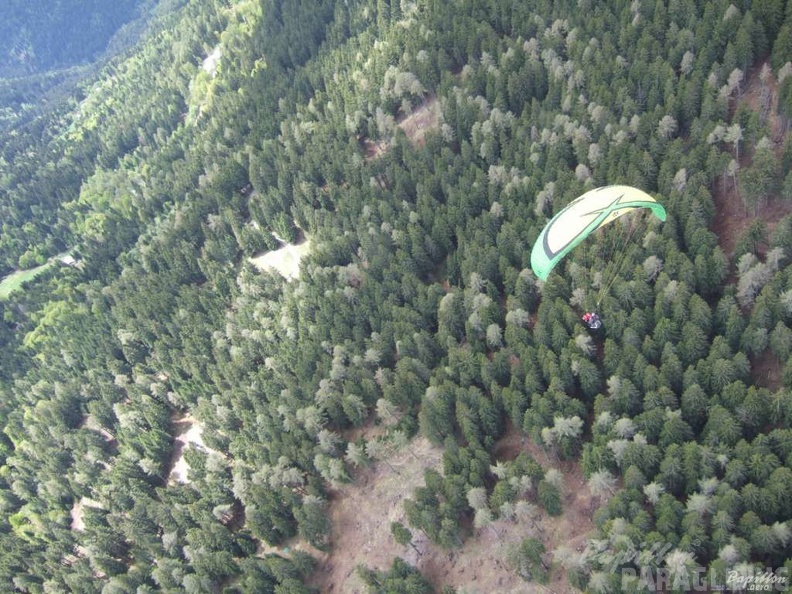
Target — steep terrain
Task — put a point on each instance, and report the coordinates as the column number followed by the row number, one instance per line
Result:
column 405, row 407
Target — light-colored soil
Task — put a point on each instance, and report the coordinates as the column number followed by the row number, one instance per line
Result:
column 211, row 61
column 361, row 515
column 285, row 261
column 78, row 511
column 188, row 431
column 89, row 422
column 362, row 512
column 421, row 121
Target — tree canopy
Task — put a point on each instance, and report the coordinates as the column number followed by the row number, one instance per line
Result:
column 420, row 147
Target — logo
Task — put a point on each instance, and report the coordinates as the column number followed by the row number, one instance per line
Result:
column 698, row 579
column 758, row 581
column 660, row 568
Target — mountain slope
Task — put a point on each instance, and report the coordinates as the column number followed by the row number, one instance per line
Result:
column 236, row 126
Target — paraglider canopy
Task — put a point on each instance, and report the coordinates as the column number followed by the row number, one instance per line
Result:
column 581, row 217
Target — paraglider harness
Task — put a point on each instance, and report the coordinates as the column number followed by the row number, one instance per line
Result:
column 592, row 321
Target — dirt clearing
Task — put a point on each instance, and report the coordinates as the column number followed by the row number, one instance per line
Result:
column 188, row 431
column 573, row 527
column 362, row 512
column 731, row 216
column 285, row 261
column 732, row 219
column 767, row 371
column 78, row 512
column 424, row 119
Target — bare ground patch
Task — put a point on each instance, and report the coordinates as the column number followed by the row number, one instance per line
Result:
column 90, row 422
column 372, row 150
column 78, row 512
column 762, row 97
column 573, row 527
column 731, row 216
column 732, row 219
column 369, row 430
column 424, row 119
column 187, row 430
column 421, row 121
column 285, row 260
column 362, row 512
column 767, row 371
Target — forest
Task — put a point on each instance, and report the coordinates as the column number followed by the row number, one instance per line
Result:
column 38, row 36
column 47, row 48
column 418, row 147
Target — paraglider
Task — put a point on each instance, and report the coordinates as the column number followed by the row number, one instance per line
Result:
column 592, row 320
column 581, row 217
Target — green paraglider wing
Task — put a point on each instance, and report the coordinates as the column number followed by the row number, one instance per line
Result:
column 583, row 216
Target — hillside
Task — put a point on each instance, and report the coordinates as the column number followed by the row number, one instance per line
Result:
column 299, row 347
column 38, row 36
column 48, row 50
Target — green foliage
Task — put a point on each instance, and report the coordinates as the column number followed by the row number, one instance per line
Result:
column 550, row 497
column 414, row 309
column 401, row 534
column 313, row 523
column 526, row 559
column 37, row 36
column 400, row 579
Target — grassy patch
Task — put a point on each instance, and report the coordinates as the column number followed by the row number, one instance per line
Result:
column 15, row 280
